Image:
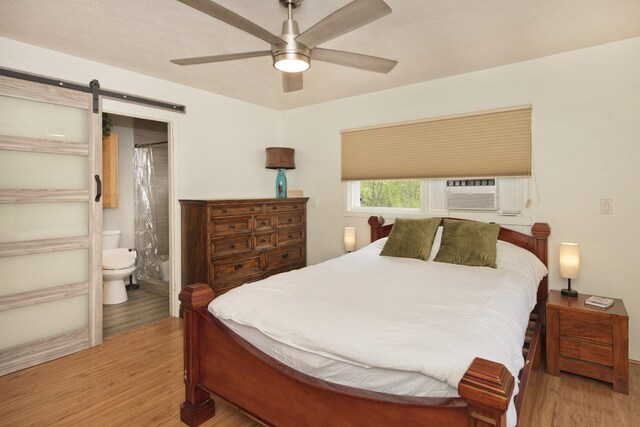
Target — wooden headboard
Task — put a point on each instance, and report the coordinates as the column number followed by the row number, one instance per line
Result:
column 536, row 243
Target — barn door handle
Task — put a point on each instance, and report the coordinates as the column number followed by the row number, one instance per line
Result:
column 98, row 188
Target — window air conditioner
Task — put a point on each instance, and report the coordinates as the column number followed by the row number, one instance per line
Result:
column 472, row 194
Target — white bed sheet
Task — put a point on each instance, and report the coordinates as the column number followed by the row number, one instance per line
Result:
column 377, row 379
column 396, row 314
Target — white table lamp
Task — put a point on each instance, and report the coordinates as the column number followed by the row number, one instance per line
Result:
column 349, row 239
column 569, row 265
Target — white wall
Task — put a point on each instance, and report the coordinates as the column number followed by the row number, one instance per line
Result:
column 121, row 218
column 586, row 146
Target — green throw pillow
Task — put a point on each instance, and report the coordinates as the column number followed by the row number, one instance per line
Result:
column 468, row 243
column 411, row 238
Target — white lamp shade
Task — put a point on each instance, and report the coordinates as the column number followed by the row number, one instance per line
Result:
column 349, row 239
column 569, row 260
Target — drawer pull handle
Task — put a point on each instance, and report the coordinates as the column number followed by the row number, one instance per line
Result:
column 232, row 226
column 237, row 267
column 231, row 246
column 285, row 256
column 264, row 223
column 264, row 240
column 252, row 209
column 295, row 206
column 275, row 208
column 224, row 211
column 290, row 219
column 290, row 236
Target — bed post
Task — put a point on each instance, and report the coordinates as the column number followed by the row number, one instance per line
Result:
column 487, row 388
column 376, row 223
column 198, row 405
column 541, row 232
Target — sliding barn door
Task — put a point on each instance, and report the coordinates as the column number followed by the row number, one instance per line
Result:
column 50, row 223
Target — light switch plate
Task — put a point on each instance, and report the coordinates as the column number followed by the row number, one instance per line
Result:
column 606, row 206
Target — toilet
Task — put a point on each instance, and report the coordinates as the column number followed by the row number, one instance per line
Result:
column 117, row 264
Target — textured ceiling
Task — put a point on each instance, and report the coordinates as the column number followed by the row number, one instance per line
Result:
column 429, row 38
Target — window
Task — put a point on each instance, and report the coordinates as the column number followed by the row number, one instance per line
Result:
column 414, row 197
column 391, row 193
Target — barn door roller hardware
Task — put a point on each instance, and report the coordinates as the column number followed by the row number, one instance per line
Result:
column 94, row 89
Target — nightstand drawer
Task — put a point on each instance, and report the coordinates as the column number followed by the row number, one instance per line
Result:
column 589, row 352
column 573, row 325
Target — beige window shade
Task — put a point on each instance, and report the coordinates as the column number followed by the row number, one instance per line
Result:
column 493, row 143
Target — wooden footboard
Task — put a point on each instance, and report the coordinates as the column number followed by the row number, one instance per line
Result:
column 219, row 361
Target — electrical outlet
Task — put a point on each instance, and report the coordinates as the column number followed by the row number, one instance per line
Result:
column 606, row 206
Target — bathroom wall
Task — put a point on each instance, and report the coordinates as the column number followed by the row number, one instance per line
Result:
column 121, row 218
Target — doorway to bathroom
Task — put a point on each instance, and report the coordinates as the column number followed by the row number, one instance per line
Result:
column 136, row 249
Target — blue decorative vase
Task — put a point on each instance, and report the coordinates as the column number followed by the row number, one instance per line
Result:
column 281, row 185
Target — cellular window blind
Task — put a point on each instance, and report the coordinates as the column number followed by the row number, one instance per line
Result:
column 490, row 143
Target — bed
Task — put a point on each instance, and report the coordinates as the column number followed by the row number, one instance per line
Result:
column 250, row 364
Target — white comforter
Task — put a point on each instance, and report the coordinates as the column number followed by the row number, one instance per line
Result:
column 397, row 313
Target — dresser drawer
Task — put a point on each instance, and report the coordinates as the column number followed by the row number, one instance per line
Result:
column 575, row 326
column 286, row 256
column 264, row 241
column 230, row 268
column 230, row 245
column 293, row 219
column 225, row 227
column 230, row 210
column 286, row 237
column 222, row 286
column 589, row 352
column 285, row 207
column 263, row 222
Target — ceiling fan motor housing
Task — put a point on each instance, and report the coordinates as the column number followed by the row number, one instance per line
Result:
column 293, row 3
column 290, row 48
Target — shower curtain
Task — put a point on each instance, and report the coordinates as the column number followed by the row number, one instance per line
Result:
column 146, row 237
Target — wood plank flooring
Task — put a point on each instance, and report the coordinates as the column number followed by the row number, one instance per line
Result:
column 142, row 307
column 135, row 379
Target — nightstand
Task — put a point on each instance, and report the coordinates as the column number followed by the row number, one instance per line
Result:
column 588, row 341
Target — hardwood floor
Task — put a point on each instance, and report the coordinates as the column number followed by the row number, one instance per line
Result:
column 135, row 379
column 143, row 307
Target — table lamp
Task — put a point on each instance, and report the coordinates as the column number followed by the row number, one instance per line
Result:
column 569, row 265
column 280, row 158
column 349, row 239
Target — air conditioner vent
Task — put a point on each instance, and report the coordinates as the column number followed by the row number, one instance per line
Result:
column 472, row 194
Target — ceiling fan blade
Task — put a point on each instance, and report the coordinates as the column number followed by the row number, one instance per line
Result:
column 225, row 15
column 291, row 82
column 352, row 16
column 220, row 58
column 354, row 60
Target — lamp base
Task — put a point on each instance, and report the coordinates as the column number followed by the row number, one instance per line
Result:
column 281, row 185
column 572, row 293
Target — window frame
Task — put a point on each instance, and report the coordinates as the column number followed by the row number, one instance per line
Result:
column 352, row 208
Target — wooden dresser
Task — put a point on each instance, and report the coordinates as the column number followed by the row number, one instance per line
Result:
column 226, row 243
column 588, row 341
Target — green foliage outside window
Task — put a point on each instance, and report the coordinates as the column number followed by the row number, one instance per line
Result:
column 402, row 193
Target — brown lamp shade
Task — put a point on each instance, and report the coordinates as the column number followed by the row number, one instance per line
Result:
column 280, row 158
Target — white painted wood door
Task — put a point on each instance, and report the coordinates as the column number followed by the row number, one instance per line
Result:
column 50, row 223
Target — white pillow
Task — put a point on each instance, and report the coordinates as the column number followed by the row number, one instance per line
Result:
column 435, row 247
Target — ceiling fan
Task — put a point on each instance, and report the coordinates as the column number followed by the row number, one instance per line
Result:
column 291, row 51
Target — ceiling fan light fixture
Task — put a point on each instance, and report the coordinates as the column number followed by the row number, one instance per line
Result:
column 291, row 62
